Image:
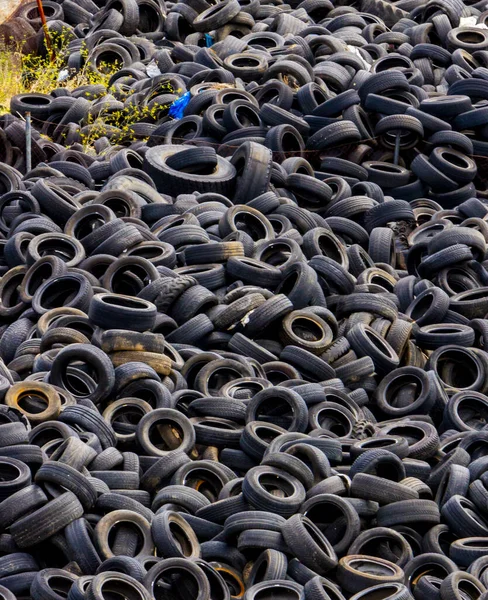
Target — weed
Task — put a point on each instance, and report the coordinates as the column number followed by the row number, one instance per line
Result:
column 38, row 72
column 10, row 77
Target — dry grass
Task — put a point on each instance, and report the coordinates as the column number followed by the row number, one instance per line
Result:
column 10, row 77
column 22, row 73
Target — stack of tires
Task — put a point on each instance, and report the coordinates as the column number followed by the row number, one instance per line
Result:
column 244, row 351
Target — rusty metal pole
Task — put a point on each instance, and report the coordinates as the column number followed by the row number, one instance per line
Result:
column 46, row 30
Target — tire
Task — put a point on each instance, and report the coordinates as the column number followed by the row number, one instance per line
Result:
column 263, row 500
column 112, row 310
column 381, row 246
column 378, row 542
column 60, row 474
column 172, row 181
column 289, row 588
column 37, row 104
column 454, row 583
column 213, row 19
column 356, row 580
column 366, row 487
column 341, row 531
column 344, row 132
column 71, row 290
column 253, row 166
column 104, row 370
column 276, row 564
column 281, row 397
column 360, row 337
column 173, row 536
column 20, row 503
column 191, row 571
column 171, row 443
column 116, row 581
column 54, row 516
column 312, row 549
column 458, row 513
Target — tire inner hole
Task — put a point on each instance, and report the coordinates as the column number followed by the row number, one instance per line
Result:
column 166, row 435
column 33, row 402
column 307, row 330
column 8, row 472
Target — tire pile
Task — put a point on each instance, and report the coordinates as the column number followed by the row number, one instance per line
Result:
column 244, row 351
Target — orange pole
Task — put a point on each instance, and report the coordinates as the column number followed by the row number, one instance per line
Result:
column 46, row 30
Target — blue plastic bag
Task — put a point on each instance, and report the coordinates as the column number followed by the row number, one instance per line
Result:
column 208, row 40
column 177, row 109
